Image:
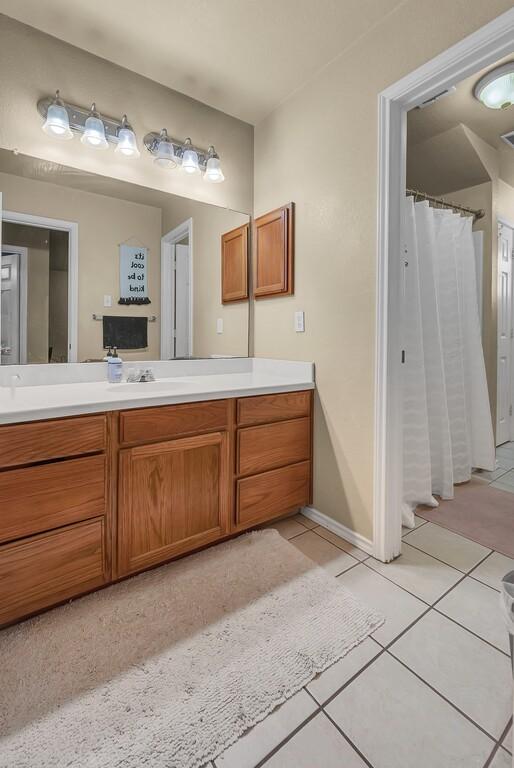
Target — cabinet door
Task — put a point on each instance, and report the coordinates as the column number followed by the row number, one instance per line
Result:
column 273, row 252
column 173, row 497
column 234, row 265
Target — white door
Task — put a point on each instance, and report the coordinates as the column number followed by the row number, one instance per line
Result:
column 505, row 332
column 10, row 308
column 182, row 301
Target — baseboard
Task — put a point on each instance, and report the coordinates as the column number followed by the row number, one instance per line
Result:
column 338, row 528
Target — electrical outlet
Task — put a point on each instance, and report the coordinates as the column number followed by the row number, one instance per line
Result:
column 299, row 321
column 107, row 301
column 219, row 325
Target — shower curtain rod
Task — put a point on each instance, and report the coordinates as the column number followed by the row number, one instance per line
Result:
column 477, row 213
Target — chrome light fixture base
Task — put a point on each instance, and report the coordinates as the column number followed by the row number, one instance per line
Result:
column 77, row 117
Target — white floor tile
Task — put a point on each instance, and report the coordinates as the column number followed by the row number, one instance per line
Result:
column 318, row 743
column 449, row 547
column 359, row 554
column 501, row 759
column 490, row 476
column 288, row 527
column 332, row 679
column 304, row 520
column 477, row 608
column 493, row 569
column 418, row 522
column 331, row 558
column 507, row 741
column 505, row 482
column 267, row 735
column 468, row 672
column 399, row 608
column 418, row 573
column 396, row 721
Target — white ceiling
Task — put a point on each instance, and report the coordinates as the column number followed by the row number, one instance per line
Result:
column 243, row 57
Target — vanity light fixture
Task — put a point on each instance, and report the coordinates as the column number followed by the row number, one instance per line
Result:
column 213, row 172
column 165, row 152
column 190, row 158
column 62, row 120
column 57, row 123
column 127, row 141
column 94, row 131
column 169, row 152
column 496, row 89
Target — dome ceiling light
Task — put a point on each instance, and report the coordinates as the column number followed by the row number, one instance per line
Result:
column 496, row 89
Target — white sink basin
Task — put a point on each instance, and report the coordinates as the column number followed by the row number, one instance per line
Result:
column 146, row 387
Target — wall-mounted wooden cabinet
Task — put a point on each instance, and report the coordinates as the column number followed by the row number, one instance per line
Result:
column 87, row 500
column 234, row 265
column 273, row 253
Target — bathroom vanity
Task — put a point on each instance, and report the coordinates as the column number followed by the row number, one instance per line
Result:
column 98, row 482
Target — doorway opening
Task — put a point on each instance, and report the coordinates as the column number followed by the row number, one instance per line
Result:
column 177, row 293
column 467, row 59
column 38, row 290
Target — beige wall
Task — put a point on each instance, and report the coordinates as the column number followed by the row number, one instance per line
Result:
column 209, row 224
column 33, row 65
column 103, row 223
column 319, row 148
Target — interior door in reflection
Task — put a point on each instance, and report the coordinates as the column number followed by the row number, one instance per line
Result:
column 13, row 339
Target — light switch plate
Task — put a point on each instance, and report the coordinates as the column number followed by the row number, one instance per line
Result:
column 219, row 325
column 299, row 321
column 107, row 300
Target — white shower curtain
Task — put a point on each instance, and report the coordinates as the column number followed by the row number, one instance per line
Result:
column 447, row 427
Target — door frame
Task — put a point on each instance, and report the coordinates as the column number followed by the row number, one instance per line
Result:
column 510, row 224
column 168, row 242
column 72, row 228
column 480, row 49
column 22, row 252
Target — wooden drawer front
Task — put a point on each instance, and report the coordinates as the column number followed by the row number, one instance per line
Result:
column 271, row 494
column 46, row 569
column 43, row 440
column 265, row 408
column 273, row 445
column 36, row 499
column 169, row 421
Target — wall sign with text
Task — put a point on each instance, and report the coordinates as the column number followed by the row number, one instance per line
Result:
column 133, row 275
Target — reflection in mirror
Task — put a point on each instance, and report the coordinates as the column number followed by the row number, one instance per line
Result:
column 89, row 262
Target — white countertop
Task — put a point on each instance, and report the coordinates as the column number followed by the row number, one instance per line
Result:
column 177, row 382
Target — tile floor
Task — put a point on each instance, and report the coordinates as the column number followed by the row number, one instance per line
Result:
column 430, row 689
column 502, row 476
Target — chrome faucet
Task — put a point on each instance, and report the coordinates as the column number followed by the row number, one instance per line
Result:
column 144, row 374
column 15, row 378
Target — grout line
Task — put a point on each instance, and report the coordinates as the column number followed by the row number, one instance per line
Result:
column 405, row 540
column 498, row 745
column 471, row 632
column 337, row 545
column 289, row 735
column 498, row 591
column 379, row 573
column 454, row 706
column 347, row 738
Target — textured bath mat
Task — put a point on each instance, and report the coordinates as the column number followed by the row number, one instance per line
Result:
column 168, row 669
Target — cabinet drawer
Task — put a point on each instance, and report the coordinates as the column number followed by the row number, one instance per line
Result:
column 46, row 569
column 271, row 494
column 43, row 440
column 273, row 445
column 265, row 408
column 170, row 421
column 35, row 499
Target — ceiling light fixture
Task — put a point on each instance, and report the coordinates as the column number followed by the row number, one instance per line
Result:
column 165, row 153
column 169, row 152
column 127, row 141
column 496, row 89
column 213, row 172
column 57, row 123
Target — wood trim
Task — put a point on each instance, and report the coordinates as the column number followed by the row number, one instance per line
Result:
column 111, row 506
column 169, row 422
column 264, row 409
column 240, row 294
column 286, row 286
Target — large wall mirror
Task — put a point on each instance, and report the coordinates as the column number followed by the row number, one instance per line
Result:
column 89, row 262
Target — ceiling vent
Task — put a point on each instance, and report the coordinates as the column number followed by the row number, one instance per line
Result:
column 508, row 138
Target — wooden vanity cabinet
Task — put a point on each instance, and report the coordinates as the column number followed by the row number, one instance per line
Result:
column 87, row 500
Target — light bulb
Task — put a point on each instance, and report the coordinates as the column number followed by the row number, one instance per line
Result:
column 57, row 123
column 213, row 172
column 165, row 155
column 127, row 142
column 190, row 158
column 94, row 133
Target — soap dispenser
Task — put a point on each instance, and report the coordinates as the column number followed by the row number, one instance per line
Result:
column 114, row 368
